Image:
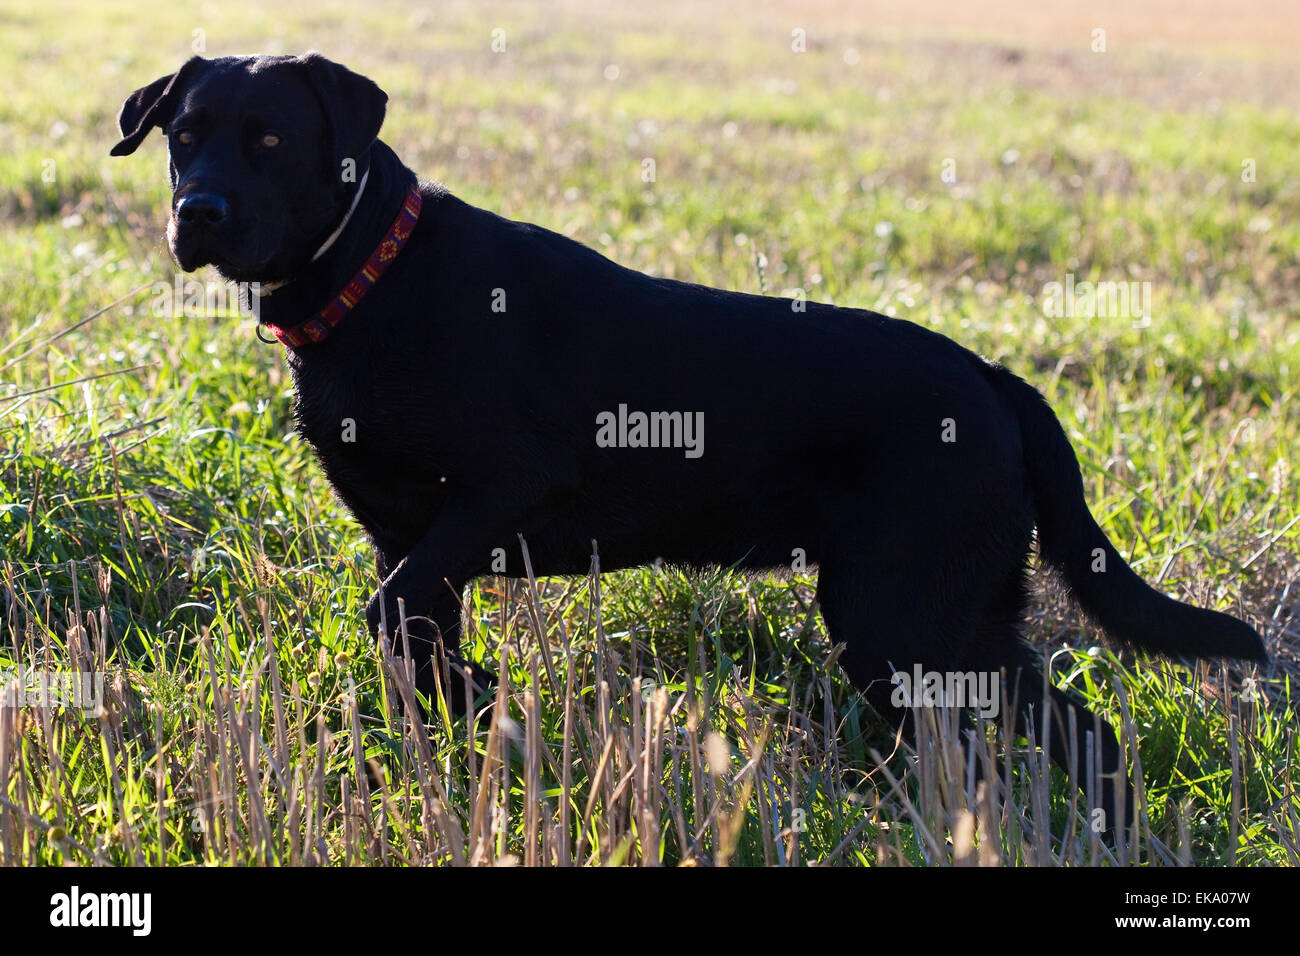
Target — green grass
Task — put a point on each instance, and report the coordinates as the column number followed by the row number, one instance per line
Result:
column 160, row 522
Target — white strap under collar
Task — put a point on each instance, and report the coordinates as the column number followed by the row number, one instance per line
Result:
column 351, row 209
column 266, row 288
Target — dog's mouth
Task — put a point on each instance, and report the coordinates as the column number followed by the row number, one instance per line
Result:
column 239, row 252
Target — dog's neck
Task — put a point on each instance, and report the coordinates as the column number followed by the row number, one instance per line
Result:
column 269, row 287
column 378, row 198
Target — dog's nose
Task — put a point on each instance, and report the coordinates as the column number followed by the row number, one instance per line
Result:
column 202, row 209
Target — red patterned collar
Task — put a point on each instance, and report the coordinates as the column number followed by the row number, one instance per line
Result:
column 320, row 325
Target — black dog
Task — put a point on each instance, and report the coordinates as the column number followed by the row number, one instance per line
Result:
column 465, row 379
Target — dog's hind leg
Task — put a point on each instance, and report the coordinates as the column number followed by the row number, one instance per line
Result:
column 1078, row 741
column 897, row 626
column 957, row 618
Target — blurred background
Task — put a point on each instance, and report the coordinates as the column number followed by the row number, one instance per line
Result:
column 949, row 163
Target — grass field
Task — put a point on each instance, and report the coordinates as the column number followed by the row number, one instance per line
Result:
column 160, row 522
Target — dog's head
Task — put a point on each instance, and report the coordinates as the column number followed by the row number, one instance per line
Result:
column 265, row 155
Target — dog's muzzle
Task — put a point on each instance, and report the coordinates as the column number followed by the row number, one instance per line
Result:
column 202, row 211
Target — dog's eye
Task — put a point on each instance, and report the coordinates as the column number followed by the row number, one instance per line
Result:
column 270, row 140
column 184, row 137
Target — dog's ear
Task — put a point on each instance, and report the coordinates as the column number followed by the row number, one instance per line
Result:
column 153, row 105
column 353, row 106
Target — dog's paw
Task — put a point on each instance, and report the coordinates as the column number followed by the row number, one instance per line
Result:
column 482, row 684
column 465, row 687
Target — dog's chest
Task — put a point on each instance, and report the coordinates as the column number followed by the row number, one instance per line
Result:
column 382, row 484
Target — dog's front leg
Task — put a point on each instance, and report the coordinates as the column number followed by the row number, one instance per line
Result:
column 428, row 582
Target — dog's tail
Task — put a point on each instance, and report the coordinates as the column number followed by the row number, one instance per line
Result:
column 1104, row 585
